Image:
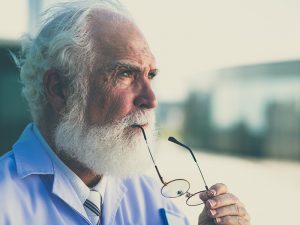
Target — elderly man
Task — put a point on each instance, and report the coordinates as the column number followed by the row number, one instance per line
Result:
column 87, row 79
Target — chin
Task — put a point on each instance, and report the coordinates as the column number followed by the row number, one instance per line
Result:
column 116, row 149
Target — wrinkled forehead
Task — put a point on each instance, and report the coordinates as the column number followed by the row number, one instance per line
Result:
column 117, row 37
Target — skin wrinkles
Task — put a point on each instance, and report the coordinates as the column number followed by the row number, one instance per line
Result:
column 117, row 91
column 111, row 95
column 116, row 37
column 115, row 73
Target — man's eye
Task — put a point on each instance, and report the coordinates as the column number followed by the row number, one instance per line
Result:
column 151, row 75
column 126, row 73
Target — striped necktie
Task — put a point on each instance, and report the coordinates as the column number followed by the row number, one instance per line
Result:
column 92, row 207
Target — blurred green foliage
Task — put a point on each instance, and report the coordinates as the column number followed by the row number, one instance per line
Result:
column 14, row 114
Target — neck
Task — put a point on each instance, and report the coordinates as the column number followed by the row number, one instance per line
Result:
column 86, row 175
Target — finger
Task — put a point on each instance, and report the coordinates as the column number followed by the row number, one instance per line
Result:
column 205, row 195
column 230, row 210
column 221, row 200
column 214, row 190
column 232, row 220
column 219, row 188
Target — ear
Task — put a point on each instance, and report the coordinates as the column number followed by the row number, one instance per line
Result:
column 55, row 90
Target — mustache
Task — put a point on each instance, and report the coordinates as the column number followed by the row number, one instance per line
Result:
column 139, row 118
column 119, row 128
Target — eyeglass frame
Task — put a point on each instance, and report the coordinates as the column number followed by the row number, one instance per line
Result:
column 188, row 195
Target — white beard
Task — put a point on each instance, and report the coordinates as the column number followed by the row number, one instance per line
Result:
column 114, row 149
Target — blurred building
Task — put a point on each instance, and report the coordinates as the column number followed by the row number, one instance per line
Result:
column 250, row 110
column 256, row 107
column 282, row 139
column 170, row 117
column 197, row 129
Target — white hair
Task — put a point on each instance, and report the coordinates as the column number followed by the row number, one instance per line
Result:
column 113, row 149
column 64, row 44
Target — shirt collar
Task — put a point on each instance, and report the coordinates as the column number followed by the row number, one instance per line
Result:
column 28, row 155
column 101, row 186
column 79, row 186
column 31, row 158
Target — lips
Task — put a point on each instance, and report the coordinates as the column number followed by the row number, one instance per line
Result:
column 139, row 125
column 142, row 129
column 135, row 126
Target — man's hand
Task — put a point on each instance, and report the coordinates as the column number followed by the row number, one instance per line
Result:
column 222, row 207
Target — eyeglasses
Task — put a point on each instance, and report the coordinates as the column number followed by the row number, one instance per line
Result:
column 177, row 187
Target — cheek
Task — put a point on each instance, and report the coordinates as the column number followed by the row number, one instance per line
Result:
column 119, row 105
column 97, row 103
column 108, row 104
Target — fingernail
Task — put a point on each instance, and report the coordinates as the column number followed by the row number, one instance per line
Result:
column 218, row 220
column 212, row 212
column 212, row 203
column 212, row 193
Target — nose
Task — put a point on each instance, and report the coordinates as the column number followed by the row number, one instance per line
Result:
column 146, row 98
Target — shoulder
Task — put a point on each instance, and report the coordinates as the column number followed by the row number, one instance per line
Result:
column 8, row 169
column 10, row 181
column 14, row 187
column 9, row 186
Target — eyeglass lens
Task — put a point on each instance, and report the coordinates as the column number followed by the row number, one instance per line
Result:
column 175, row 188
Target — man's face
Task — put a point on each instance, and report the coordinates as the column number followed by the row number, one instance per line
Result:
column 121, row 84
column 119, row 95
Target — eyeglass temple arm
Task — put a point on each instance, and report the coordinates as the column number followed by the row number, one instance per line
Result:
column 145, row 137
column 172, row 139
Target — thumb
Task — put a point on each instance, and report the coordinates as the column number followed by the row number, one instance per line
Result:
column 204, row 219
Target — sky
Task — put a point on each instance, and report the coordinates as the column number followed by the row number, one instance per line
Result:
column 190, row 38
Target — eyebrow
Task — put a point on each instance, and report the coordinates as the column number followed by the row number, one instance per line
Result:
column 129, row 66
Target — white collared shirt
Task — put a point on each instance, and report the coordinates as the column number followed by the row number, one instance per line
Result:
column 35, row 191
column 81, row 189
